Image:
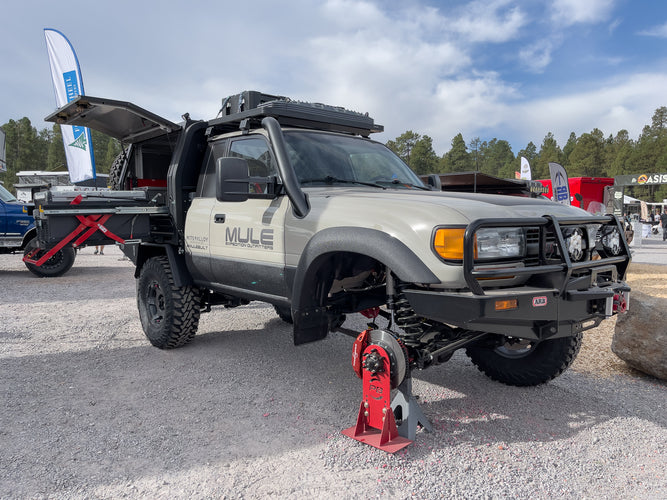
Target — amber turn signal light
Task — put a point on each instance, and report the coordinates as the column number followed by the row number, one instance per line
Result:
column 506, row 305
column 448, row 243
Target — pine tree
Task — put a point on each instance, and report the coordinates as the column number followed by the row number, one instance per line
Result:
column 568, row 148
column 498, row 159
column 587, row 159
column 457, row 159
column 423, row 159
column 549, row 152
column 404, row 144
column 56, row 160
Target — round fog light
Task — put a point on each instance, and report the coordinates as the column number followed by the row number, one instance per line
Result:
column 575, row 245
column 611, row 242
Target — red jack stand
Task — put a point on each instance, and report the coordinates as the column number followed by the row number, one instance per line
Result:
column 376, row 425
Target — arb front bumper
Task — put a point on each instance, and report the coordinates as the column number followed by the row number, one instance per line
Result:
column 564, row 289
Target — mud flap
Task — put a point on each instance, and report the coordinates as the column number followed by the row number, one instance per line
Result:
column 310, row 325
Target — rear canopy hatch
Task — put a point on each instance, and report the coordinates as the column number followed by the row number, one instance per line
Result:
column 121, row 120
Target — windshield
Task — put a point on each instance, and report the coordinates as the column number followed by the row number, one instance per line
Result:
column 5, row 195
column 322, row 158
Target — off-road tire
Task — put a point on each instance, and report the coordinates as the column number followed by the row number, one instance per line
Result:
column 61, row 262
column 544, row 361
column 115, row 172
column 284, row 313
column 169, row 314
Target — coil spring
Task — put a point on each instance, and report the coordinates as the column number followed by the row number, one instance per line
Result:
column 413, row 325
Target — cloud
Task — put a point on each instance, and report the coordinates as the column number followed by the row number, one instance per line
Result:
column 410, row 65
column 656, row 31
column 487, row 21
column 536, row 57
column 613, row 25
column 626, row 102
column 569, row 12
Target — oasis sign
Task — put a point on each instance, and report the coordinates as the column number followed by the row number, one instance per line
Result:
column 640, row 179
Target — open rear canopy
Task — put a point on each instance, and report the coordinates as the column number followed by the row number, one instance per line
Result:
column 122, row 120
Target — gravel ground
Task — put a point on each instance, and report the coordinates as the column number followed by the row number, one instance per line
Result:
column 91, row 410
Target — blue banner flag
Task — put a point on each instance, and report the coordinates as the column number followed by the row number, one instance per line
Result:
column 3, row 159
column 559, row 184
column 67, row 84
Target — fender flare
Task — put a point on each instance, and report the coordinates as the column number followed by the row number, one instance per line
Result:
column 140, row 253
column 310, row 319
column 29, row 235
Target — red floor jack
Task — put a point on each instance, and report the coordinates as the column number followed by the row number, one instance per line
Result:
column 381, row 361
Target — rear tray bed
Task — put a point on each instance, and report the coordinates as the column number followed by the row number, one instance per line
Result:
column 125, row 214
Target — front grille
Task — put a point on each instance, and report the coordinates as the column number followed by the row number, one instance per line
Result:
column 532, row 246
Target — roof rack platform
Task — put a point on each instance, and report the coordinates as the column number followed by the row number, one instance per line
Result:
column 249, row 107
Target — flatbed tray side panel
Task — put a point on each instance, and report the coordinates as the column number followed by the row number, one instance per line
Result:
column 143, row 197
column 54, row 228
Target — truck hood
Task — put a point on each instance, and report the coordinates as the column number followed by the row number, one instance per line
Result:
column 456, row 207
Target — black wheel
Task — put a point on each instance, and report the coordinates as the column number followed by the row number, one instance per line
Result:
column 524, row 362
column 115, row 172
column 61, row 262
column 169, row 315
column 284, row 313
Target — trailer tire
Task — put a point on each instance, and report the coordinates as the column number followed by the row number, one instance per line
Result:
column 61, row 262
column 526, row 363
column 169, row 314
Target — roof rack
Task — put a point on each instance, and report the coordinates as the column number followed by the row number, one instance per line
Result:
column 249, row 107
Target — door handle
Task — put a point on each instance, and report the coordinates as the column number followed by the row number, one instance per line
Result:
column 219, row 218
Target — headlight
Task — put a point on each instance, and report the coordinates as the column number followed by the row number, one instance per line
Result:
column 500, row 243
column 490, row 243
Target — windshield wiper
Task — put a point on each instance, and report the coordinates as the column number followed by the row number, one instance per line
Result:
column 396, row 182
column 409, row 184
column 329, row 179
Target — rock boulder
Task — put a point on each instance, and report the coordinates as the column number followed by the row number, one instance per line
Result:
column 640, row 338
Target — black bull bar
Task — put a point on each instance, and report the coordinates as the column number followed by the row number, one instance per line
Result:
column 559, row 297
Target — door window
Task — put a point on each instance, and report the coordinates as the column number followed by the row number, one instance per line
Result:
column 261, row 166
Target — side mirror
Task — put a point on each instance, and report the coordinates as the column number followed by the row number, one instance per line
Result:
column 433, row 181
column 231, row 179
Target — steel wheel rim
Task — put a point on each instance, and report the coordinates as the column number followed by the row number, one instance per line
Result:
column 155, row 301
column 516, row 348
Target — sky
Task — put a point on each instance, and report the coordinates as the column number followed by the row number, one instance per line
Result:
column 510, row 70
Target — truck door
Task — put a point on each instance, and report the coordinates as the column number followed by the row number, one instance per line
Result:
column 15, row 219
column 3, row 219
column 247, row 241
column 197, row 249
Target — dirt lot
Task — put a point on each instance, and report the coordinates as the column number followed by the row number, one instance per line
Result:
column 91, row 410
column 595, row 357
